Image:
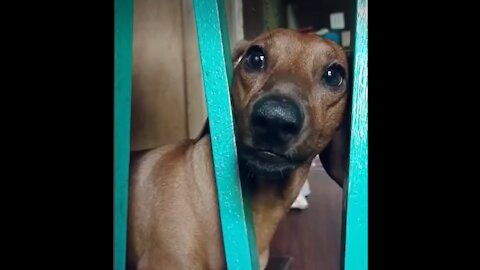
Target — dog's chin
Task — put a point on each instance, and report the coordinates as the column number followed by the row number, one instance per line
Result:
column 265, row 164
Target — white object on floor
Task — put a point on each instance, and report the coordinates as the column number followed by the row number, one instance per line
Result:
column 301, row 200
column 305, row 189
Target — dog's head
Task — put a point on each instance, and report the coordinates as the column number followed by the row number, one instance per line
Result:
column 289, row 94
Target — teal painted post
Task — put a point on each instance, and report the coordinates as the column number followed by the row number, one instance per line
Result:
column 356, row 234
column 122, row 96
column 215, row 58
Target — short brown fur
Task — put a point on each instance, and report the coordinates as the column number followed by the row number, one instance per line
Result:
column 173, row 213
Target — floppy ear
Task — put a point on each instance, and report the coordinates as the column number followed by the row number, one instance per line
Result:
column 335, row 156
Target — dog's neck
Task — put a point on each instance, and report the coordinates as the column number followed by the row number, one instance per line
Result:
column 271, row 199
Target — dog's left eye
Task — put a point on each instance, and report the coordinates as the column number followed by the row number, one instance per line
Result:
column 334, row 75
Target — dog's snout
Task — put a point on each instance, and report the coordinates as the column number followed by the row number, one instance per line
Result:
column 275, row 120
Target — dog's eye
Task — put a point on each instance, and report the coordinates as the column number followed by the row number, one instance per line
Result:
column 255, row 58
column 334, row 75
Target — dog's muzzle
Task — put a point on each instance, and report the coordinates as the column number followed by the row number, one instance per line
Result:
column 275, row 121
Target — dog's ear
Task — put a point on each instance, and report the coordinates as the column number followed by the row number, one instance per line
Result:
column 238, row 51
column 335, row 157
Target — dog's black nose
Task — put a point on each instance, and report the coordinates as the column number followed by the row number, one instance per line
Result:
column 275, row 120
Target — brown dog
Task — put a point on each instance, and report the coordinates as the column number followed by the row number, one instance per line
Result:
column 288, row 94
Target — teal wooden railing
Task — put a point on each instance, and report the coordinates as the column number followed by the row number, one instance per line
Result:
column 236, row 220
column 122, row 100
column 356, row 213
column 235, row 217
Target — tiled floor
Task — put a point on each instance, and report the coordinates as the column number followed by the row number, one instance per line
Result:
column 312, row 236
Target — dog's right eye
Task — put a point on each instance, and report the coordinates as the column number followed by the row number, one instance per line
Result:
column 334, row 76
column 255, row 58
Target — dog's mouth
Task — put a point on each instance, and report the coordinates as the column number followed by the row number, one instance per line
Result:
column 265, row 163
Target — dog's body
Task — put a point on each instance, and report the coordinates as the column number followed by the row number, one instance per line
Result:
column 288, row 96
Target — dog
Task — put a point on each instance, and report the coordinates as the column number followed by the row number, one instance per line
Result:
column 288, row 95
